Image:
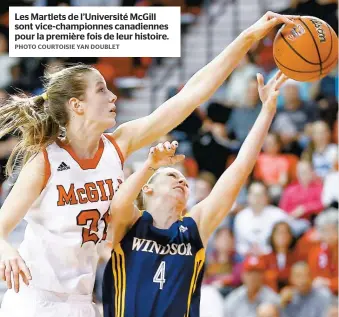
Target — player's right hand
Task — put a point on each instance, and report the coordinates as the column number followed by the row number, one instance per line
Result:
column 163, row 155
column 267, row 22
column 11, row 266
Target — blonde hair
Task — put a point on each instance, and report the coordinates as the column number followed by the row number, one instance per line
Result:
column 41, row 120
column 141, row 199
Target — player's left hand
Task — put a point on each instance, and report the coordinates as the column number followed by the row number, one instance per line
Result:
column 268, row 93
column 163, row 155
column 266, row 23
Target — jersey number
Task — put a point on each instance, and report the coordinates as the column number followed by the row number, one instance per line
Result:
column 92, row 215
column 159, row 276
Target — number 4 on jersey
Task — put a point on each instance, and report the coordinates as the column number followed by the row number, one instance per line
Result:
column 159, row 276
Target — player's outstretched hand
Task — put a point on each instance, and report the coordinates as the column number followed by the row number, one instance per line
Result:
column 268, row 93
column 164, row 154
column 11, row 266
column 267, row 22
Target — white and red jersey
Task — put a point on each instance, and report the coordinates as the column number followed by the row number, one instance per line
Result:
column 68, row 222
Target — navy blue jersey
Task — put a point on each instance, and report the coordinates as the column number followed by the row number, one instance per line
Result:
column 155, row 272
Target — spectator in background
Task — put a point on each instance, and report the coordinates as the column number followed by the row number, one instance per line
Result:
column 323, row 258
column 268, row 310
column 291, row 120
column 253, row 225
column 272, row 166
column 200, row 186
column 303, row 198
column 329, row 196
column 244, row 300
column 212, row 140
column 307, row 241
column 300, row 299
column 242, row 119
column 223, row 266
column 324, row 93
column 238, row 82
column 321, row 152
column 283, row 256
column 203, row 186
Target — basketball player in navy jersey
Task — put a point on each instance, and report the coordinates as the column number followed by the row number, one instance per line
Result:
column 157, row 261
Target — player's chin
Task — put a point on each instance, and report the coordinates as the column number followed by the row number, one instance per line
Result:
column 180, row 197
column 110, row 122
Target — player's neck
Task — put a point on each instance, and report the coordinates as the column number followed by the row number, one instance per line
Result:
column 84, row 142
column 163, row 216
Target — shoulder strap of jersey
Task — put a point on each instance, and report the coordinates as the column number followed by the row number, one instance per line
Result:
column 110, row 138
column 189, row 223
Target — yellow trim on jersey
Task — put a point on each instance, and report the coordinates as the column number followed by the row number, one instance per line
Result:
column 114, row 267
column 119, row 273
column 198, row 264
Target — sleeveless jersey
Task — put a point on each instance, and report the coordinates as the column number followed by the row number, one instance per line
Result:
column 155, row 272
column 68, row 222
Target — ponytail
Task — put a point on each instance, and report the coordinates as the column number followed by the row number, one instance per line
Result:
column 28, row 117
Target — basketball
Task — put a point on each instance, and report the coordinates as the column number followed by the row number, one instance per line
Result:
column 307, row 51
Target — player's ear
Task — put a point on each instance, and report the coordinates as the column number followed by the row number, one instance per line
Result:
column 76, row 106
column 147, row 189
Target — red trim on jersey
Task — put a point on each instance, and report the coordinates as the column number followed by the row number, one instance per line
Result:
column 47, row 168
column 85, row 164
column 111, row 139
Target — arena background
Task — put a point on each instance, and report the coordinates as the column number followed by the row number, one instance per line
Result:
column 296, row 176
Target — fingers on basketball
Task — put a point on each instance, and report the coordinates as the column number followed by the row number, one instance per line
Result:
column 276, row 18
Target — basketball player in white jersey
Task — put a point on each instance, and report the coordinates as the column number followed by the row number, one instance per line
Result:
column 66, row 183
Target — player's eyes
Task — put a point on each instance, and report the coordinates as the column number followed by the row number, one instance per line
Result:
column 102, row 89
column 172, row 175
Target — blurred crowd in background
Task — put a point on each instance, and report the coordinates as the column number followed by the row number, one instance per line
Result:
column 276, row 253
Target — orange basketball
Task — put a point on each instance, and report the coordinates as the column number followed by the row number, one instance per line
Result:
column 306, row 51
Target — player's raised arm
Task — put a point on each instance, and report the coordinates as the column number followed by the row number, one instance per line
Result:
column 209, row 213
column 138, row 133
column 123, row 211
column 26, row 190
